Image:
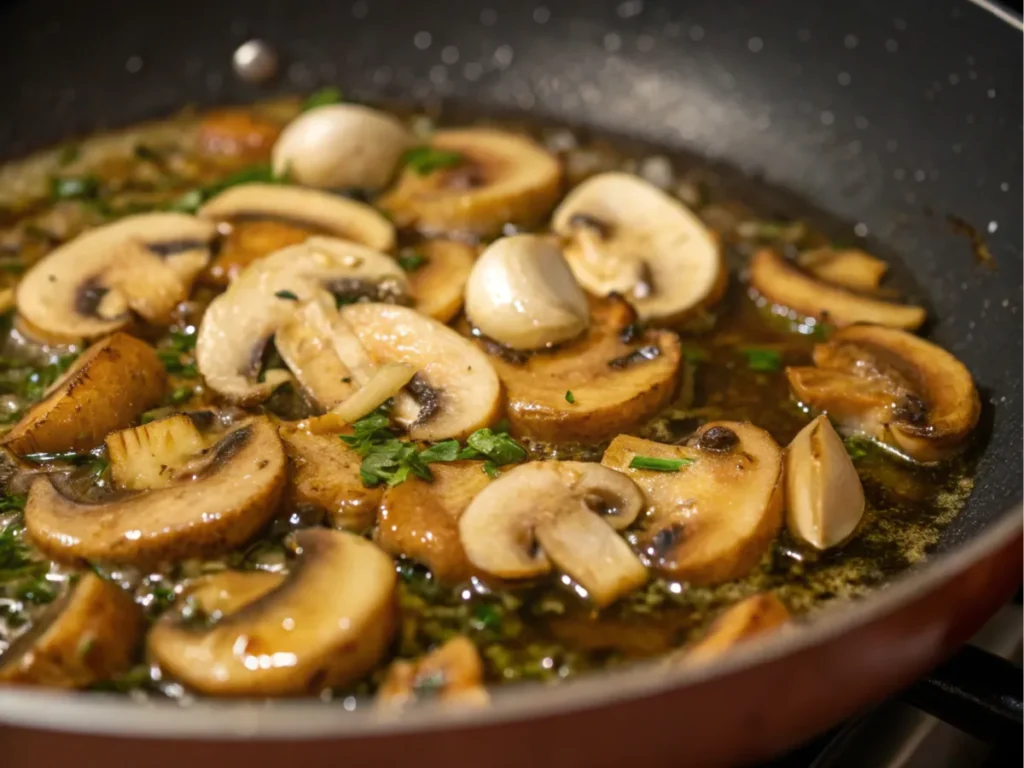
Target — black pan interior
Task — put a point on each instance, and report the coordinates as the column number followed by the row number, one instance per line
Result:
column 888, row 116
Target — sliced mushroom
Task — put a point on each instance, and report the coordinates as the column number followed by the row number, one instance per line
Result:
column 457, row 390
column 263, row 218
column 754, row 617
column 786, row 285
column 218, row 509
column 522, row 294
column 324, row 475
column 496, row 179
column 420, row 520
column 893, row 387
column 239, row 323
column 849, row 268
column 92, row 285
column 237, row 133
column 106, row 388
column 88, row 636
column 557, row 514
column 216, row 595
column 824, row 496
column 341, row 146
column 437, row 285
column 327, row 624
column 451, row 674
column 624, row 235
column 712, row 519
column 148, row 456
column 607, row 382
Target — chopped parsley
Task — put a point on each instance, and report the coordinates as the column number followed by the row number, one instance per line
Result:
column 765, row 360
column 322, row 98
column 412, row 261
column 659, row 465
column 423, row 161
column 286, row 295
column 570, row 397
column 176, row 355
column 74, row 187
column 181, row 395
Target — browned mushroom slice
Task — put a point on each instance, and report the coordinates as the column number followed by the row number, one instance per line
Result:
column 824, row 496
column 786, row 285
column 230, row 498
column 893, row 387
column 438, row 283
column 328, row 623
column 105, row 389
column 557, row 514
column 239, row 323
column 457, row 389
column 754, row 617
column 148, row 456
column 89, row 635
column 850, row 268
column 716, row 510
column 420, row 520
column 595, row 387
column 263, row 218
column 624, row 235
column 92, row 285
column 324, row 475
column 451, row 674
column 493, row 178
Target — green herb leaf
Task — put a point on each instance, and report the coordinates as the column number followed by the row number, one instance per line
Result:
column 500, row 448
column 412, row 261
column 659, row 465
column 569, row 396
column 444, row 451
column 181, row 395
column 487, row 616
column 286, row 295
column 767, row 360
column 425, row 160
column 491, row 469
column 322, row 98
column 74, row 187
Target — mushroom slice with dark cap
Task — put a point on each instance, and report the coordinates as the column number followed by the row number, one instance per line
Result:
column 715, row 504
column 227, row 496
column 262, row 218
column 325, row 625
column 562, row 515
column 113, row 381
column 89, row 635
column 140, row 265
column 893, row 387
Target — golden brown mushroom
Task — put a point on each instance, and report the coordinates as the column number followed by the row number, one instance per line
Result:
column 754, row 617
column 451, row 674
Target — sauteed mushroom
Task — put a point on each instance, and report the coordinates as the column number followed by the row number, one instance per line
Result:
column 715, row 504
column 626, row 236
column 451, row 674
column 149, row 456
column 747, row 619
column 824, row 496
column 849, row 268
column 784, row 284
column 92, row 285
column 231, row 493
column 522, row 294
column 438, row 283
column 263, row 218
column 89, row 635
column 239, row 323
column 488, row 179
column 341, row 146
column 106, row 388
column 325, row 625
column 893, row 387
column 557, row 514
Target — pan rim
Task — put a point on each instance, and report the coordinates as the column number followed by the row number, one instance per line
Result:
column 224, row 721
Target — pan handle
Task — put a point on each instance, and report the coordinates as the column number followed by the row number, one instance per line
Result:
column 975, row 691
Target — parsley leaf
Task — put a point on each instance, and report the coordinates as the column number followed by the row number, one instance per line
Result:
column 444, row 451
column 423, row 161
column 176, row 355
column 322, row 98
column 499, row 447
column 286, row 295
column 570, row 397
column 412, row 261
column 767, row 360
column 74, row 187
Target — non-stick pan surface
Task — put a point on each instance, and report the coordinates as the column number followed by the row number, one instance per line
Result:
column 887, row 115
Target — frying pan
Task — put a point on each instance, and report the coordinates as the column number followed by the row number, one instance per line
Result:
column 888, row 115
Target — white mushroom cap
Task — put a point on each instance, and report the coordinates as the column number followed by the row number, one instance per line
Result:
column 561, row 513
column 522, row 293
column 824, row 496
column 341, row 145
column 627, row 236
